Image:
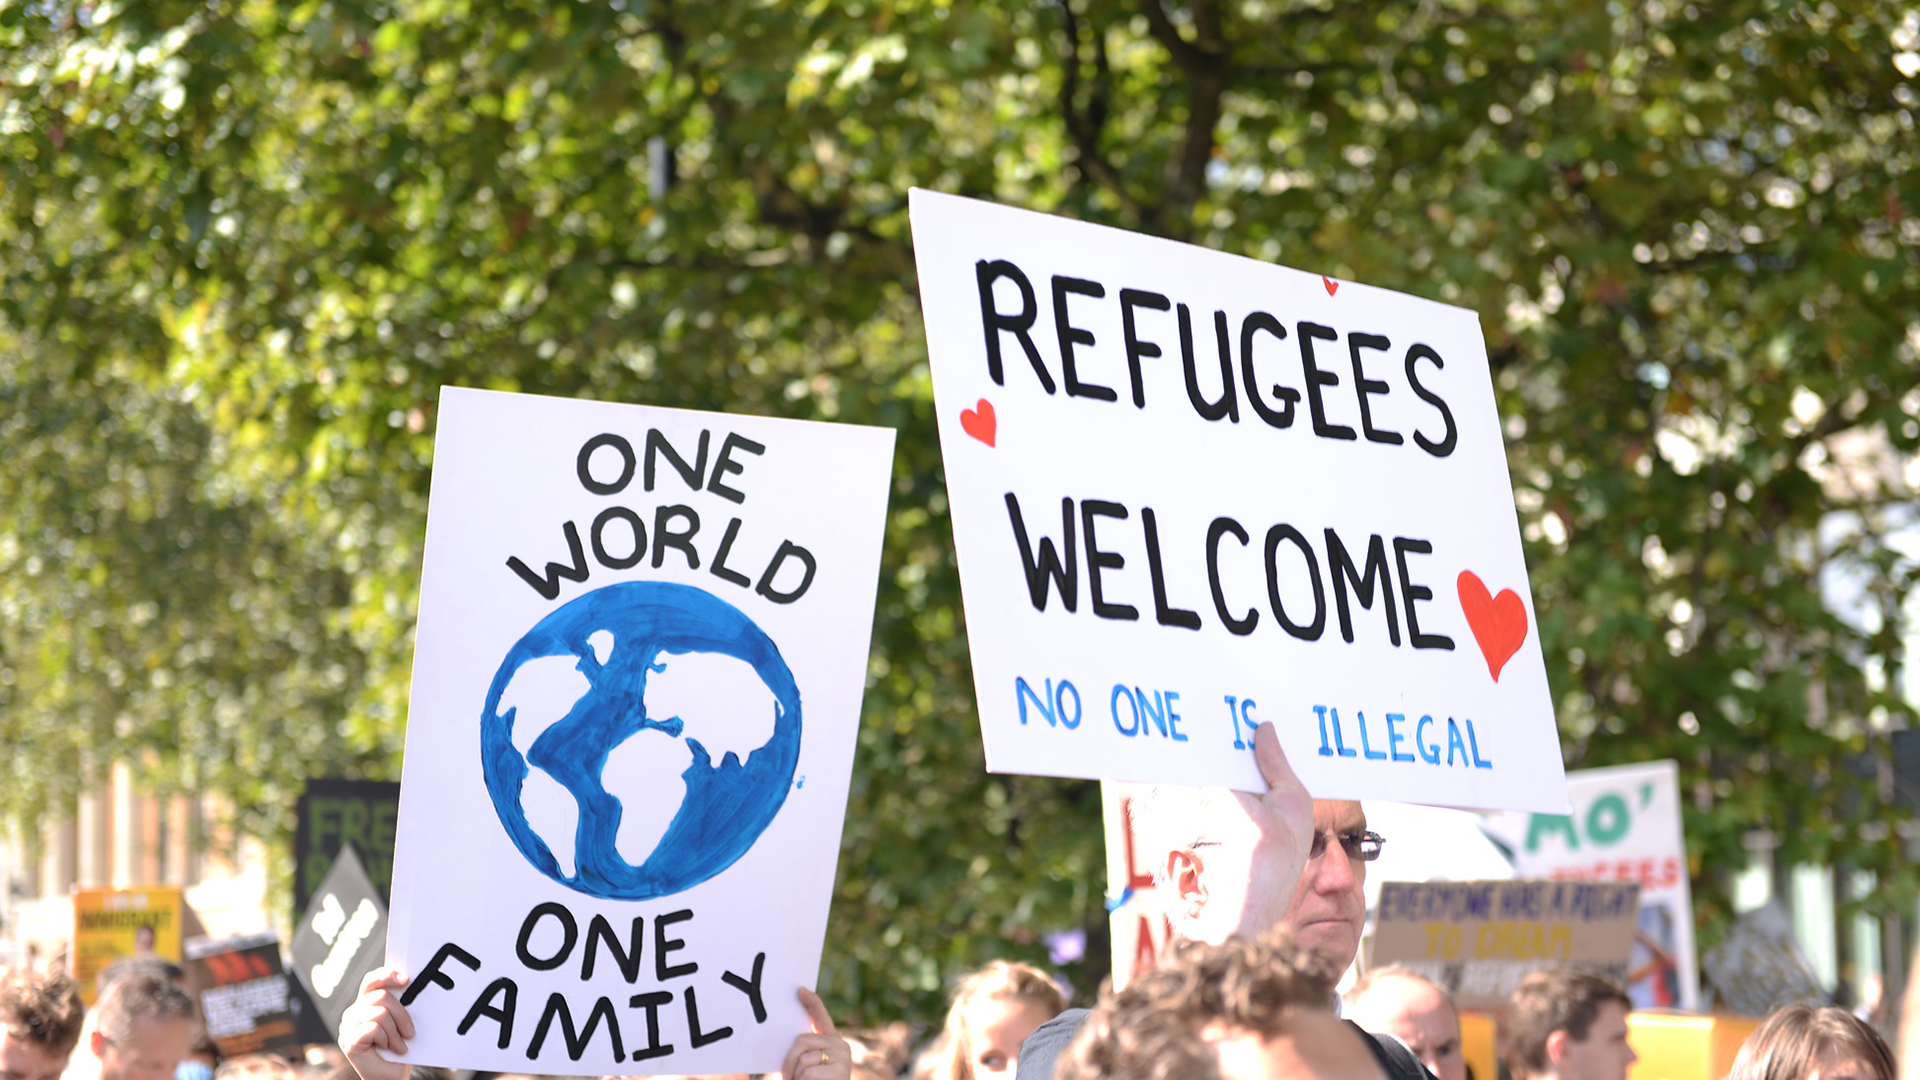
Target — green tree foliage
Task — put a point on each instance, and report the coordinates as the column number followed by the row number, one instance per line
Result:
column 243, row 243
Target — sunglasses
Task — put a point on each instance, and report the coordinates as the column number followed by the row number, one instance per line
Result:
column 1360, row 845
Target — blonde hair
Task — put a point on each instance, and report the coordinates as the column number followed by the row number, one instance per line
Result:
column 950, row 1058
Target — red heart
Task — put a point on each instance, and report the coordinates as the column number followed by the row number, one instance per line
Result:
column 1499, row 623
column 978, row 421
column 1332, row 285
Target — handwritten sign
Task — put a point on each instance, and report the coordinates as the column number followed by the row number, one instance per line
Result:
column 1192, row 492
column 641, row 652
column 1625, row 826
column 341, row 936
column 1480, row 938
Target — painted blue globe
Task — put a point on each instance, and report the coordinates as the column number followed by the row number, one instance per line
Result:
column 591, row 716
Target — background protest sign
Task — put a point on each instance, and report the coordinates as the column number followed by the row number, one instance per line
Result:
column 341, row 936
column 1137, row 922
column 109, row 924
column 332, row 814
column 1192, row 492
column 1625, row 826
column 1760, row 966
column 618, row 824
column 1480, row 938
column 243, row 994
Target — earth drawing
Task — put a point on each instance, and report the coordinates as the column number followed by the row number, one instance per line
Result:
column 638, row 740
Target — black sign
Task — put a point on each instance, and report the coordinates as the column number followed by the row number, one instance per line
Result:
column 341, row 936
column 335, row 813
column 243, row 994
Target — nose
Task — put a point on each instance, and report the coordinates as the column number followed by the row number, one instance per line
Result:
column 1334, row 871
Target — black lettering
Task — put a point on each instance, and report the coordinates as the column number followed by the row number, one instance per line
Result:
column 1367, row 388
column 694, row 1035
column 1447, row 442
column 689, row 474
column 576, row 1043
column 1244, row 625
column 1308, row 631
column 1071, row 335
column 1411, row 593
column 570, row 933
column 432, row 973
column 628, row 959
column 597, row 535
column 582, row 463
column 1137, row 349
column 1162, row 613
column 662, row 945
column 750, row 986
column 664, row 538
column 1341, row 569
column 1317, row 379
column 718, row 568
column 1048, row 567
column 549, row 586
column 1281, row 417
column 787, row 550
column 1098, row 560
column 725, row 464
column 1021, row 324
column 501, row 1014
column 1228, row 406
column 652, row 1002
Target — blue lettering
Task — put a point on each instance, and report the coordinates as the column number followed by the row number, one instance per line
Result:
column 1429, row 754
column 1154, row 710
column 1475, row 743
column 1173, row 718
column 1233, row 718
column 1454, row 740
column 1339, row 742
column 1246, row 717
column 1113, row 703
column 1394, row 738
column 1321, row 712
column 1021, row 692
column 1060, row 704
column 1366, row 745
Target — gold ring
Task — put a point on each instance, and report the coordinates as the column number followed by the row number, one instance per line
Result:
column 826, row 1056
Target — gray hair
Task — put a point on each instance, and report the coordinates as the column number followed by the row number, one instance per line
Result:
column 134, row 995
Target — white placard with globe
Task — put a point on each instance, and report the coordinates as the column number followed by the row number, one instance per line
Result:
column 642, row 643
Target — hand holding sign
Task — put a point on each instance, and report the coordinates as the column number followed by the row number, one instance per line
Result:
column 822, row 1055
column 1286, row 810
column 376, row 1022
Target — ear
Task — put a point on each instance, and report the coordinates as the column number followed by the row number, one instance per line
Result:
column 1557, row 1046
column 98, row 1044
column 1186, row 876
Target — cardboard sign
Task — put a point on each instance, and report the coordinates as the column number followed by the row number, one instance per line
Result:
column 1760, row 966
column 1192, row 492
column 1625, row 826
column 109, row 924
column 1137, row 924
column 1480, row 938
column 641, row 652
column 331, row 814
column 243, row 994
column 341, row 937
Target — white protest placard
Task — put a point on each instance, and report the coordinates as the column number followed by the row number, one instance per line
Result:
column 1192, row 492
column 1625, row 826
column 641, row 652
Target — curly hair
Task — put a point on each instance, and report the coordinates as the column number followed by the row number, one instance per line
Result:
column 44, row 1009
column 1794, row 1040
column 950, row 1057
column 1151, row 1030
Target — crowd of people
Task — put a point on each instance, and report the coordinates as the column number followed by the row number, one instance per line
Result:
column 1267, row 905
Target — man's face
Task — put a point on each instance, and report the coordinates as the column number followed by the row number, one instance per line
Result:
column 23, row 1060
column 1604, row 1053
column 1416, row 1014
column 156, row 1048
column 1311, row 1046
column 1330, row 906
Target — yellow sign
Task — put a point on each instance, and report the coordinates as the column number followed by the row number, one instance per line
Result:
column 112, row 923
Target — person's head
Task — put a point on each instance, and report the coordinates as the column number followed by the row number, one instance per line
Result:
column 1395, row 1001
column 143, row 1028
column 143, row 939
column 1570, row 1025
column 993, row 1011
column 1242, row 1010
column 1804, row 1042
column 40, row 1019
column 1226, row 869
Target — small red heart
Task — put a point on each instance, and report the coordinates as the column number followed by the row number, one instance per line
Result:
column 978, row 421
column 1332, row 285
column 1499, row 623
